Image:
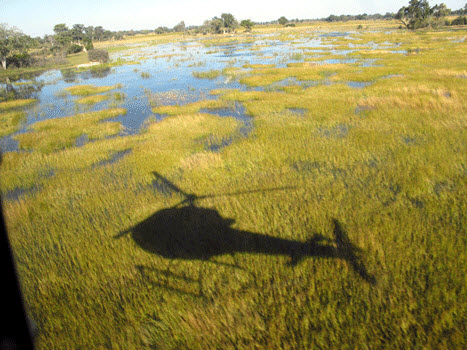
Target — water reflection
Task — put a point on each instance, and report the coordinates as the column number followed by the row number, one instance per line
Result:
column 69, row 75
column 20, row 89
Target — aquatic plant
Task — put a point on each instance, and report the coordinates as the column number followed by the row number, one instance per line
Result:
column 211, row 74
column 86, row 90
column 90, row 100
column 11, row 122
column 58, row 133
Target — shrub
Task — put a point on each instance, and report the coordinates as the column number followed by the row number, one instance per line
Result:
column 98, row 55
column 19, row 60
column 459, row 21
column 74, row 48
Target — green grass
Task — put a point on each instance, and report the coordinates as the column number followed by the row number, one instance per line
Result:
column 211, row 74
column 11, row 122
column 189, row 108
column 384, row 165
column 58, row 133
column 86, row 90
column 12, row 116
column 90, row 100
column 13, row 104
column 77, row 58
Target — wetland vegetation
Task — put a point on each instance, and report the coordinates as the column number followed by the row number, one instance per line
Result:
column 282, row 188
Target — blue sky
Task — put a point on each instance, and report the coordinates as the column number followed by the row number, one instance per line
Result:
column 36, row 17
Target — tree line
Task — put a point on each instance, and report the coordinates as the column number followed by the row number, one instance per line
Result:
column 226, row 23
column 14, row 45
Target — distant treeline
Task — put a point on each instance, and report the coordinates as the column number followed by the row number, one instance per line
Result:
column 15, row 46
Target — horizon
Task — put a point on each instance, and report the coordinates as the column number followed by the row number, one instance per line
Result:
column 148, row 15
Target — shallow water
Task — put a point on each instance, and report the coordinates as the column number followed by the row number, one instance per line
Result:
column 163, row 74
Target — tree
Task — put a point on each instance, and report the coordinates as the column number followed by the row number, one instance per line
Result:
column 60, row 28
column 162, row 30
column 99, row 33
column 247, row 24
column 416, row 15
column 179, row 27
column 77, row 33
column 440, row 10
column 62, row 35
column 12, row 41
column 229, row 21
column 89, row 32
column 283, row 21
column 217, row 25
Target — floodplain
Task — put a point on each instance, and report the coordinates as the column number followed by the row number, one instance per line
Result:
column 289, row 188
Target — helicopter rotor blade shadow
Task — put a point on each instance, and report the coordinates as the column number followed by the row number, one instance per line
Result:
column 170, row 184
column 239, row 193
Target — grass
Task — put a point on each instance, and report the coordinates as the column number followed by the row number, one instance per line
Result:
column 12, row 116
column 189, row 108
column 77, row 58
column 211, row 74
column 11, row 122
column 87, row 90
column 383, row 165
column 90, row 100
column 13, row 104
column 58, row 133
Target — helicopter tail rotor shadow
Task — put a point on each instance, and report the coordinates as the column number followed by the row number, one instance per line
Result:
column 350, row 253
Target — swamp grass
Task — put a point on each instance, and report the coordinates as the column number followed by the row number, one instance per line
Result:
column 210, row 74
column 12, row 116
column 58, row 133
column 10, row 122
column 14, row 104
column 87, row 90
column 91, row 100
column 383, row 165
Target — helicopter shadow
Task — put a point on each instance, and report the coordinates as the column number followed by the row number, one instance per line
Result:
column 190, row 232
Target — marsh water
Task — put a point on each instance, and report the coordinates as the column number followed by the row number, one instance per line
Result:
column 162, row 74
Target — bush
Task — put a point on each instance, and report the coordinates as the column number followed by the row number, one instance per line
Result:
column 19, row 60
column 74, row 48
column 98, row 55
column 459, row 21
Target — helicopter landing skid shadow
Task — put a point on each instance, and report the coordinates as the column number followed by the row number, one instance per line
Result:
column 201, row 286
column 165, row 279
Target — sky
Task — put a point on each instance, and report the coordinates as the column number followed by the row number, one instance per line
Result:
column 38, row 17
